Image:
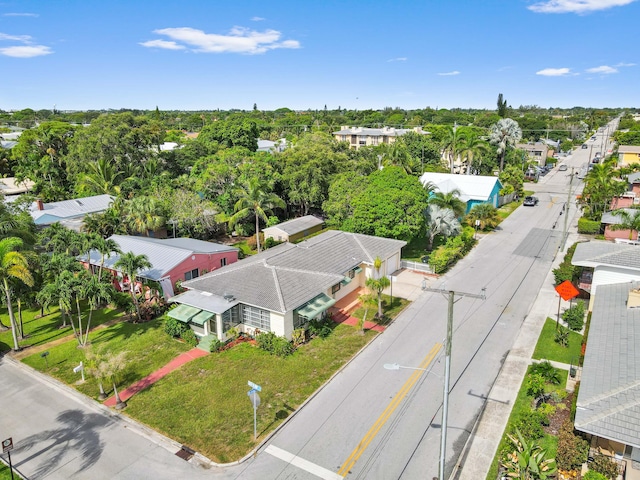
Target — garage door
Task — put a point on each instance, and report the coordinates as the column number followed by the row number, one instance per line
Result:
column 392, row 264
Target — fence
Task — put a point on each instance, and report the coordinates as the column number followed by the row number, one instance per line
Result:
column 417, row 266
column 504, row 199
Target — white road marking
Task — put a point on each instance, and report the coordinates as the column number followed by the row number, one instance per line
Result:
column 303, row 464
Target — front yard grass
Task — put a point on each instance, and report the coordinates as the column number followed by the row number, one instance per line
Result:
column 5, row 474
column 548, row 349
column 148, row 347
column 41, row 330
column 390, row 311
column 204, row 404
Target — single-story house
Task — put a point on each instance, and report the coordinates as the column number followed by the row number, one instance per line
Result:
column 473, row 189
column 284, row 287
column 293, row 230
column 611, row 263
column 70, row 213
column 608, row 405
column 172, row 259
column 628, row 154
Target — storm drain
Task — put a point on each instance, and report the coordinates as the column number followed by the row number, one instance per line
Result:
column 185, row 453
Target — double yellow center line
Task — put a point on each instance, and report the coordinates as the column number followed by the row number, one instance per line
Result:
column 382, row 419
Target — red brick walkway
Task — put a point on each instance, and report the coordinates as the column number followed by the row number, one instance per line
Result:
column 348, row 304
column 152, row 378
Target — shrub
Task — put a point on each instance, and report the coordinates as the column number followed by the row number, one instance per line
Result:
column 232, row 333
column 565, row 270
column 547, row 371
column 604, row 465
column 572, row 450
column 547, row 410
column 174, row 327
column 124, row 302
column 574, row 316
column 270, row 242
column 215, row 345
column 529, row 423
column 587, row 226
column 535, row 385
column 561, row 336
column 251, row 241
column 189, row 337
column 271, row 343
column 591, row 475
column 299, row 336
column 320, row 328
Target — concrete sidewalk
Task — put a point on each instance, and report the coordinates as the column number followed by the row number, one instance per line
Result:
column 483, row 442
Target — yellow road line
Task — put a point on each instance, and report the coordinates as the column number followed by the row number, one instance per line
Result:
column 382, row 419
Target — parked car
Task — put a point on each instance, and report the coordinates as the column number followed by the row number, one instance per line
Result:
column 585, row 146
column 530, row 201
column 562, row 167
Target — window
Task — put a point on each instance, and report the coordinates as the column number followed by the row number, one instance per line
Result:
column 335, row 288
column 352, row 273
column 223, row 262
column 298, row 320
column 230, row 318
column 256, row 317
column 191, row 275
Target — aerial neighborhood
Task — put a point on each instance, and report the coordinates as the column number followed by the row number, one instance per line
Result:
column 226, row 249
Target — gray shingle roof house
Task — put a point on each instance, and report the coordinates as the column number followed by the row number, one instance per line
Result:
column 609, row 397
column 293, row 230
column 69, row 212
column 282, row 288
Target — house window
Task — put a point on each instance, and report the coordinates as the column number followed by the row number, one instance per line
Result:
column 256, row 317
column 298, row 320
column 230, row 318
column 335, row 288
column 191, row 275
column 352, row 273
column 223, row 262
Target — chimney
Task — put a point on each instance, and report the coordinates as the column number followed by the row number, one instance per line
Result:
column 40, row 204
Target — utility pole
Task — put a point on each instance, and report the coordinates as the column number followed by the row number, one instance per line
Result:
column 566, row 213
column 447, row 368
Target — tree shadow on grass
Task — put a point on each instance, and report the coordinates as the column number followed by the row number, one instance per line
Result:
column 77, row 436
column 279, row 416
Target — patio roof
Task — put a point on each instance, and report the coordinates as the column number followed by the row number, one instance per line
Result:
column 202, row 317
column 316, row 306
column 184, row 313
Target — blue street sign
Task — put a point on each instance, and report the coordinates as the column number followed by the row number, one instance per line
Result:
column 255, row 386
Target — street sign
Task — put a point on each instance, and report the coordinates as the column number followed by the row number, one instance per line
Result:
column 7, row 445
column 567, row 291
column 254, row 397
column 255, row 386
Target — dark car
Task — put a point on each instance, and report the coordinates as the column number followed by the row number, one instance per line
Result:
column 530, row 201
column 585, row 146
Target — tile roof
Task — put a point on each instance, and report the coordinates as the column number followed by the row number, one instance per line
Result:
column 609, row 397
column 599, row 253
column 163, row 254
column 286, row 276
column 472, row 187
column 297, row 225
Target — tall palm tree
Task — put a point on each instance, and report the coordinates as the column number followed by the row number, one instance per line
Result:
column 59, row 291
column 131, row 264
column 451, row 146
column 144, row 214
column 378, row 284
column 255, row 199
column 96, row 293
column 105, row 246
column 472, row 148
column 441, row 221
column 504, row 133
column 13, row 266
column 601, row 186
column 630, row 220
column 486, row 213
column 450, row 200
column 101, row 177
column 397, row 154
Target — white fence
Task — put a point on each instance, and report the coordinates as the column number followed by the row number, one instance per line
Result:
column 417, row 266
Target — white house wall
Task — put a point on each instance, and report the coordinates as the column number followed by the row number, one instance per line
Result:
column 393, row 263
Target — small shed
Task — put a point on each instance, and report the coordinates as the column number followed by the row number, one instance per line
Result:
column 294, row 230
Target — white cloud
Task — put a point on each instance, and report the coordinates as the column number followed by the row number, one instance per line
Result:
column 20, row 15
column 447, row 74
column 576, row 6
column 606, row 69
column 397, row 59
column 163, row 44
column 554, row 72
column 17, row 38
column 26, row 51
column 257, row 19
column 238, row 40
column 625, row 65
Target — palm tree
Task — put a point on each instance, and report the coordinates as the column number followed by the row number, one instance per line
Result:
column 94, row 361
column 96, row 293
column 105, row 247
column 452, row 144
column 629, row 221
column 112, row 367
column 101, row 177
column 144, row 214
column 472, row 148
column 378, row 284
column 504, row 133
column 131, row 264
column 367, row 300
column 450, row 200
column 13, row 266
column 486, row 213
column 601, row 186
column 441, row 221
column 255, row 199
column 396, row 154
column 59, row 291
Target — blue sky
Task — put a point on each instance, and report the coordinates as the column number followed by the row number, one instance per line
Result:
column 303, row 54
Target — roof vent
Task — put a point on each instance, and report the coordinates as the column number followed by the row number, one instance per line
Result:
column 79, row 202
column 229, row 297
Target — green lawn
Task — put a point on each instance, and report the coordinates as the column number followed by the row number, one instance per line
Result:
column 204, row 404
column 507, row 209
column 390, row 311
column 4, row 471
column 417, row 248
column 548, row 349
column 40, row 330
column 148, row 347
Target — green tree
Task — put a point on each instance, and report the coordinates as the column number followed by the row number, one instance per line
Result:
column 96, row 293
column 441, row 221
column 629, row 220
column 14, row 266
column 231, row 133
column 601, row 186
column 486, row 213
column 472, row 149
column 502, row 106
column 255, row 199
column 144, row 214
column 101, row 177
column 131, row 264
column 377, row 284
column 506, row 132
column 112, row 367
column 450, row 200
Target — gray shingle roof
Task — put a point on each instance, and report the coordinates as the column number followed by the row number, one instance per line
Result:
column 598, row 253
column 608, row 218
column 609, row 397
column 286, row 276
column 297, row 225
column 72, row 208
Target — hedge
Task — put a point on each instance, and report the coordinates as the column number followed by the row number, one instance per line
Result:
column 587, row 226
